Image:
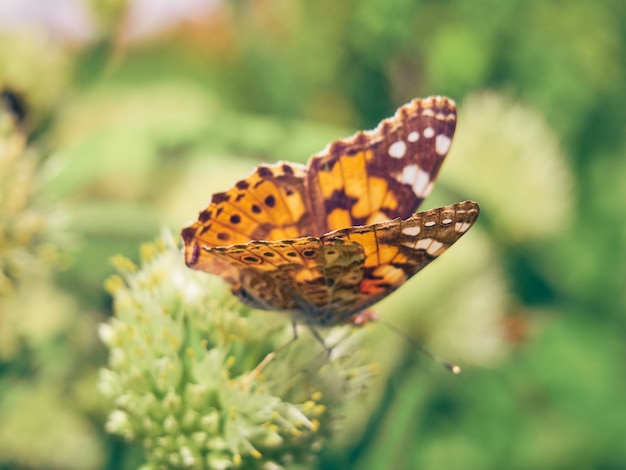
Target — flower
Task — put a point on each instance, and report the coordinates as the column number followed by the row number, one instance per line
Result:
column 203, row 382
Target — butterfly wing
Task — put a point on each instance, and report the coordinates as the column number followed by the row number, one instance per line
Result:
column 328, row 280
column 302, row 275
column 381, row 174
column 268, row 205
column 396, row 250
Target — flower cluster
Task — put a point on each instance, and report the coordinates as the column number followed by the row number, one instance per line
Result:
column 203, row 382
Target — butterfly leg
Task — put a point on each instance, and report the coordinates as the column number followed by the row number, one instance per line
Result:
column 295, row 330
column 320, row 339
column 315, row 333
column 295, row 337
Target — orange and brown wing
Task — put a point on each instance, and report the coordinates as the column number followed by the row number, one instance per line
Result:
column 396, row 250
column 302, row 275
column 268, row 205
column 329, row 280
column 381, row 174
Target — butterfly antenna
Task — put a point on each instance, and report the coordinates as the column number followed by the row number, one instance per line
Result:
column 455, row 369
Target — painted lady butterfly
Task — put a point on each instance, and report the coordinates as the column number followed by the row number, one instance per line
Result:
column 327, row 240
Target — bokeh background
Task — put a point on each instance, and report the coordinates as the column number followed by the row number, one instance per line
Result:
column 121, row 118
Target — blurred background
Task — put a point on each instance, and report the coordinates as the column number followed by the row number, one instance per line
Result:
column 120, row 118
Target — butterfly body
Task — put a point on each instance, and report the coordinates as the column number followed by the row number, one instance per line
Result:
column 327, row 240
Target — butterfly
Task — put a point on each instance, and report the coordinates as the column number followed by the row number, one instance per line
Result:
column 327, row 240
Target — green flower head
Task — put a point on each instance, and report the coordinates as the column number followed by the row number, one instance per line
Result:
column 202, row 382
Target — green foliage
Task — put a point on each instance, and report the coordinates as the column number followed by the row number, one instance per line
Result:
column 124, row 135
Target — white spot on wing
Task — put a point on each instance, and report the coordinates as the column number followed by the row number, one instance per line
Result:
column 434, row 248
column 429, row 188
column 430, row 223
column 409, row 173
column 397, row 149
column 461, row 226
column 417, row 178
column 413, row 136
column 446, row 221
column 423, row 244
column 421, row 183
column 412, row 231
column 420, row 187
column 442, row 144
column 429, row 132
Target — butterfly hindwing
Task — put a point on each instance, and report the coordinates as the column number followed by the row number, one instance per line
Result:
column 396, row 250
column 329, row 279
column 304, row 274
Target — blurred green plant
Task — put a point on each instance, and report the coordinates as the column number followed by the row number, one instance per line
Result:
column 26, row 248
column 28, row 58
column 35, row 315
column 195, row 377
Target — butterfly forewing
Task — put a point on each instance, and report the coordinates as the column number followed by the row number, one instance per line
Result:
column 381, row 174
column 268, row 205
